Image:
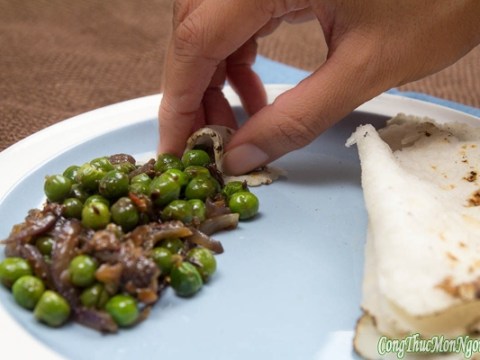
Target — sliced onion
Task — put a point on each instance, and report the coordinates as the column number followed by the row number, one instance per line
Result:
column 218, row 223
column 199, row 238
column 95, row 319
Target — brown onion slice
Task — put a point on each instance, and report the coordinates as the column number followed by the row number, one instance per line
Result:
column 201, row 239
column 95, row 319
column 218, row 223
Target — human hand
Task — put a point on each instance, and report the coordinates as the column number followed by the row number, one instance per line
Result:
column 372, row 46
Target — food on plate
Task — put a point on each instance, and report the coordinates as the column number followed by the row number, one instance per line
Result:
column 422, row 256
column 113, row 234
column 214, row 139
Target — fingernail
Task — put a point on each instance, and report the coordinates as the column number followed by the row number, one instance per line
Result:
column 243, row 159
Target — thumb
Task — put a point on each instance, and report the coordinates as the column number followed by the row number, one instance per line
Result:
column 302, row 113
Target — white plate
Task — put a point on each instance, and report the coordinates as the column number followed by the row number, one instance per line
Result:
column 289, row 283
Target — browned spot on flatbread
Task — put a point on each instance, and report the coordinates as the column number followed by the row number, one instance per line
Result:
column 451, row 256
column 474, row 199
column 471, row 177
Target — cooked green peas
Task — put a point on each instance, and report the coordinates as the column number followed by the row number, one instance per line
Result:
column 82, row 270
column 95, row 215
column 199, row 210
column 72, row 208
column 163, row 258
column 102, row 163
column 178, row 210
column 140, row 184
column 71, row 172
column 114, row 184
column 125, row 213
column 164, row 189
column 52, row 309
column 45, row 245
column 167, row 161
column 89, row 177
column 141, row 178
column 13, row 268
column 174, row 245
column 178, row 175
column 233, row 187
column 96, row 198
column 123, row 309
column 79, row 193
column 194, row 171
column 196, row 157
column 96, row 296
column 204, row 260
column 201, row 187
column 138, row 188
column 244, row 203
column 185, row 279
column 124, row 167
column 27, row 290
column 57, row 187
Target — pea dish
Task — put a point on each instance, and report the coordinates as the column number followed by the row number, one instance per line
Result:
column 114, row 234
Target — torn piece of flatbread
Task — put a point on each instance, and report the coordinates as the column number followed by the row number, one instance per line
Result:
column 217, row 138
column 421, row 184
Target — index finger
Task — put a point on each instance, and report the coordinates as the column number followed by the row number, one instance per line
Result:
column 209, row 34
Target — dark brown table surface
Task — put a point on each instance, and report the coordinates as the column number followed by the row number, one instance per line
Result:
column 61, row 58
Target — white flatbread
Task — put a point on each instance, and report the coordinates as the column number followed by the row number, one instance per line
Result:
column 422, row 257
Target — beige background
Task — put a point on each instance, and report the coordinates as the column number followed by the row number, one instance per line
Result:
column 61, row 58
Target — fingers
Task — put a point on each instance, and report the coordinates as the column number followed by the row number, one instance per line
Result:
column 244, row 80
column 201, row 40
column 300, row 115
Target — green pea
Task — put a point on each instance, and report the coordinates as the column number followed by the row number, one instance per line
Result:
column 164, row 189
column 178, row 210
column 125, row 213
column 199, row 210
column 12, row 268
column 163, row 259
column 141, row 179
column 82, row 270
column 45, row 245
column 185, row 279
column 96, row 198
column 196, row 157
column 72, row 208
column 123, row 309
column 57, row 187
column 204, row 260
column 114, row 184
column 174, row 245
column 52, row 309
column 89, row 177
column 233, row 187
column 71, row 172
column 178, row 175
column 95, row 296
column 139, row 189
column 201, row 187
column 140, row 184
column 124, row 167
column 79, row 193
column 194, row 171
column 167, row 161
column 102, row 163
column 27, row 290
column 244, row 203
column 95, row 215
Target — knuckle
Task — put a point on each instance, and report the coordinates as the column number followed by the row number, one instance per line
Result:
column 295, row 132
column 187, row 37
column 181, row 9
